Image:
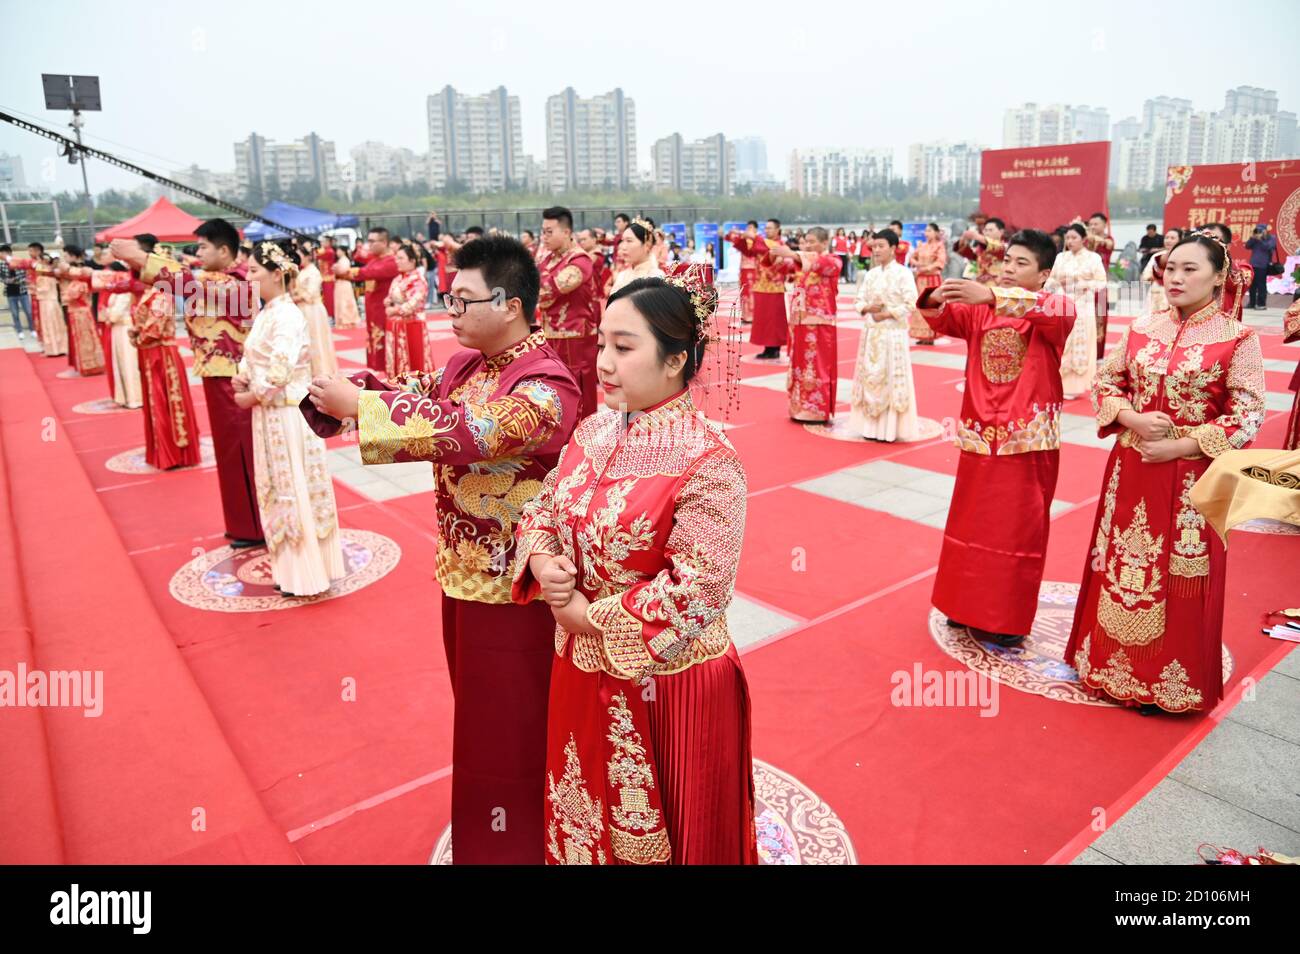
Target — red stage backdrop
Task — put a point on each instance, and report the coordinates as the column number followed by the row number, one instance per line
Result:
column 1042, row 187
column 1240, row 195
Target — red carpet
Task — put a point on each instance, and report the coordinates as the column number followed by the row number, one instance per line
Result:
column 153, row 778
column 246, row 715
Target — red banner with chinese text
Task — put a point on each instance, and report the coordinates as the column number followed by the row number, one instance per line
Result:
column 1042, row 187
column 1240, row 195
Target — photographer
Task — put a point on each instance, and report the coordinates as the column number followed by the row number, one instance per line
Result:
column 1263, row 247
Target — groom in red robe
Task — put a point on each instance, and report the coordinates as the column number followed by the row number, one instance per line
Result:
column 493, row 422
column 769, row 329
column 378, row 272
column 995, row 540
column 219, row 311
column 566, row 305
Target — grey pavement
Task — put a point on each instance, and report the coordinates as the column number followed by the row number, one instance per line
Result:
column 1240, row 787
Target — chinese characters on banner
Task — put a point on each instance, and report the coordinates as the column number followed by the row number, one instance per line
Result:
column 1044, row 186
column 1240, row 195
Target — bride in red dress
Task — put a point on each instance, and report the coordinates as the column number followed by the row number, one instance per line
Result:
column 1182, row 387
column 634, row 541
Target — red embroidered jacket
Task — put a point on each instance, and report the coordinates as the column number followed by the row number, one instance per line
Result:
column 652, row 514
column 493, row 427
column 219, row 312
column 565, row 305
column 1012, row 401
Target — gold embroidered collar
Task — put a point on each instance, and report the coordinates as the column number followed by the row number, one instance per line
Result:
column 675, row 408
column 502, row 358
column 1201, row 314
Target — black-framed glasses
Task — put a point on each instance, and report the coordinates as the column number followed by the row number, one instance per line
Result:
column 456, row 305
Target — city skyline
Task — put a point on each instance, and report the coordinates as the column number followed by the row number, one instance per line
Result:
column 516, row 55
column 474, row 139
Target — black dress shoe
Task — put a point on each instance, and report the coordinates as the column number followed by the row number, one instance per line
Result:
column 1005, row 640
column 241, row 544
column 1148, row 708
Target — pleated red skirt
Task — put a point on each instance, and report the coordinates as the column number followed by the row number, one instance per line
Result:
column 687, row 737
column 171, row 434
column 700, row 737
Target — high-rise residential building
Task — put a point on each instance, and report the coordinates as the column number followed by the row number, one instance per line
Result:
column 705, row 167
column 751, row 160
column 1162, row 108
column 12, row 180
column 1053, row 124
column 1173, row 133
column 935, row 165
column 265, row 169
column 535, row 175
column 590, row 143
column 223, row 185
column 321, row 161
column 1120, row 132
column 476, row 141
column 251, row 163
column 1250, row 101
column 377, row 166
column 844, row 172
column 1287, row 138
column 666, row 160
column 1090, row 124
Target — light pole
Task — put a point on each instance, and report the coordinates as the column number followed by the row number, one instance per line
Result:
column 77, row 93
column 85, row 182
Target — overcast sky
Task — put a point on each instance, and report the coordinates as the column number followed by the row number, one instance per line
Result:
column 180, row 87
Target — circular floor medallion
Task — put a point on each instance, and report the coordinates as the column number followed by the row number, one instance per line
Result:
column 794, row 826
column 133, row 462
column 102, row 406
column 1037, row 665
column 226, row 580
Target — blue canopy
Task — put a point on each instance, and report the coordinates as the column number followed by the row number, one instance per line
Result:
column 304, row 220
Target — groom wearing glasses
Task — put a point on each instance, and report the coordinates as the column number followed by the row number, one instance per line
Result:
column 492, row 421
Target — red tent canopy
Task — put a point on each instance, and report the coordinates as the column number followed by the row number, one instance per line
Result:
column 162, row 219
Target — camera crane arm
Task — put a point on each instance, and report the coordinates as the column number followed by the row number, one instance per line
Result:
column 112, row 160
